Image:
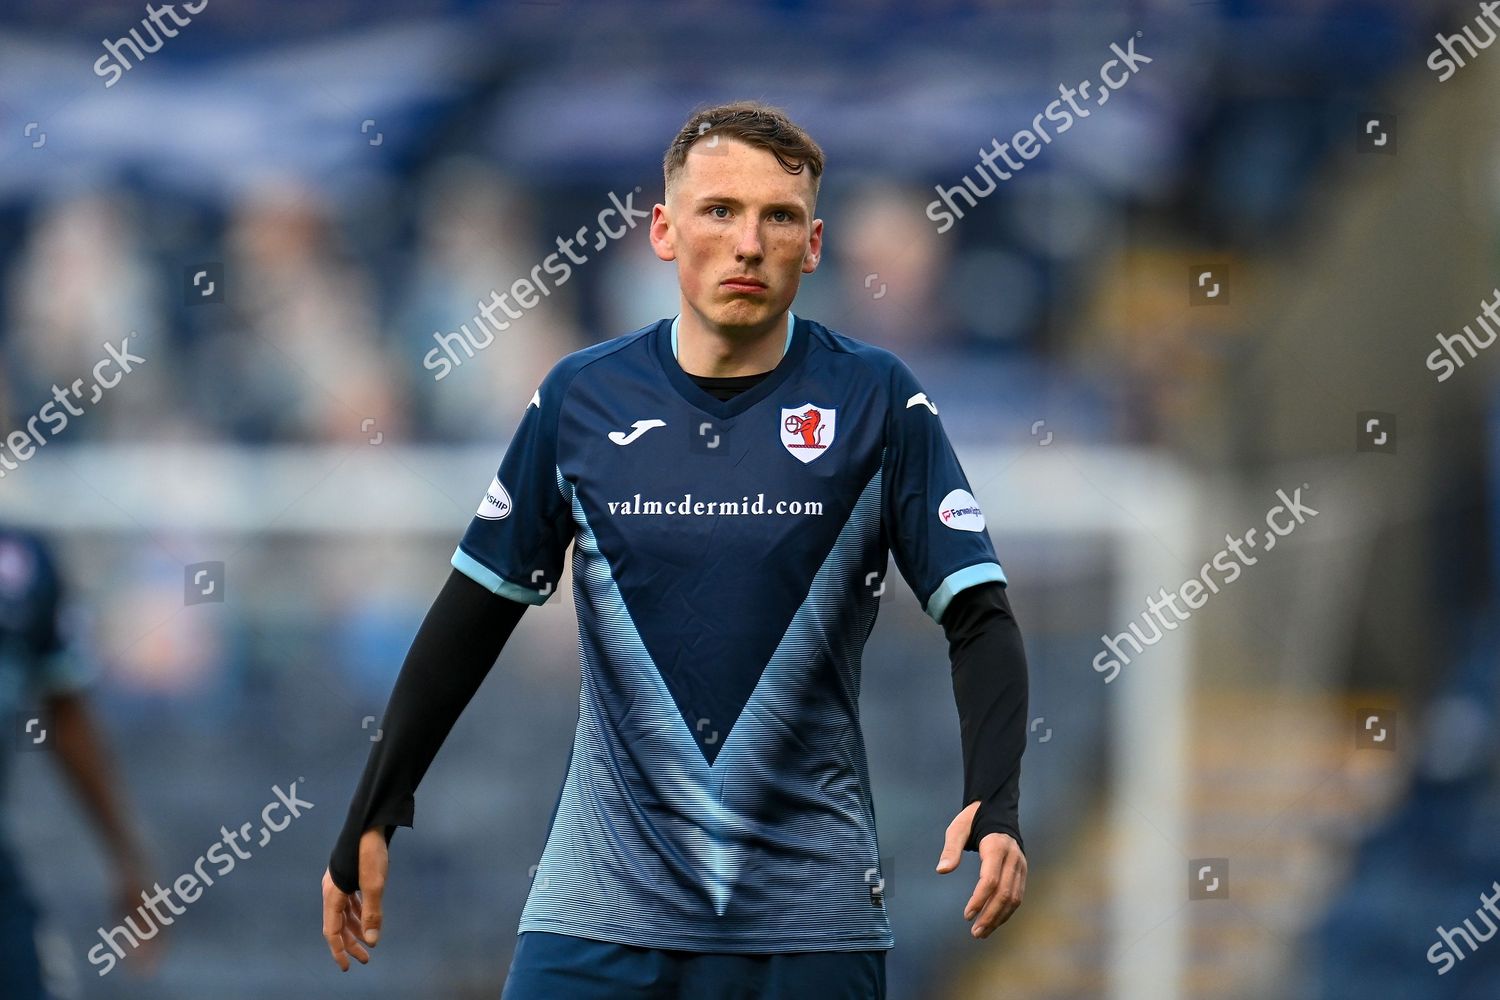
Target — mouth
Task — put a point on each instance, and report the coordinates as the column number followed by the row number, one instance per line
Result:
column 744, row 285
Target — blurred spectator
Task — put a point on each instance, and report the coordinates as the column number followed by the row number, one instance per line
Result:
column 84, row 279
column 300, row 357
column 476, row 234
column 890, row 263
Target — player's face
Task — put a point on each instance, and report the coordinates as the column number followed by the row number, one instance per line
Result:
column 741, row 230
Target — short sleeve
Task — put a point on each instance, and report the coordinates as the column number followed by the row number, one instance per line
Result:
column 517, row 541
column 936, row 529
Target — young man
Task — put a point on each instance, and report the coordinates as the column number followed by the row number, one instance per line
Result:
column 39, row 671
column 732, row 481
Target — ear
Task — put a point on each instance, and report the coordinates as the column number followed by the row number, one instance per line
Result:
column 662, row 235
column 814, row 248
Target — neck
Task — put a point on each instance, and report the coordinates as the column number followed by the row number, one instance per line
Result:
column 716, row 352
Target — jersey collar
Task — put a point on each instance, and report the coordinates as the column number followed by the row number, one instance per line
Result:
column 790, row 322
column 666, row 349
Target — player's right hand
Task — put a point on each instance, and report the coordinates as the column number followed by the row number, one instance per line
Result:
column 351, row 921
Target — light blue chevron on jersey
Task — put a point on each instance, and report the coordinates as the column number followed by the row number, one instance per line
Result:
column 701, row 833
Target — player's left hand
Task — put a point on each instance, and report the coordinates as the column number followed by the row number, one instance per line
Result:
column 1002, row 873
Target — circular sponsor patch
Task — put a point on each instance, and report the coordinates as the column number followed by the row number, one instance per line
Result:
column 496, row 502
column 960, row 511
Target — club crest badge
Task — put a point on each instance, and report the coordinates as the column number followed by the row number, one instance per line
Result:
column 807, row 430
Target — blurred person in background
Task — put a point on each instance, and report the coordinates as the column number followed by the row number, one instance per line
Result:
column 894, row 263
column 42, row 682
column 83, row 279
column 475, row 233
column 301, row 357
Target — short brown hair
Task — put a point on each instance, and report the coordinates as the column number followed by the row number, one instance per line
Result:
column 755, row 124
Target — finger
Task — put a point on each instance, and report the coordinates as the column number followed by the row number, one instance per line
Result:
column 955, row 838
column 1006, row 898
column 333, row 926
column 373, row 866
column 354, row 947
column 336, row 948
column 372, row 891
column 984, row 889
column 353, row 921
column 953, row 851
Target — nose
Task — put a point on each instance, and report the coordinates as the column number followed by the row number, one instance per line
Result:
column 748, row 246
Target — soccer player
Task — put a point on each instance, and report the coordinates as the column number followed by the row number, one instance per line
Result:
column 731, row 481
column 38, row 669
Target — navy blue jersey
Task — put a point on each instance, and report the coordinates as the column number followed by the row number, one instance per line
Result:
column 35, row 661
column 728, row 561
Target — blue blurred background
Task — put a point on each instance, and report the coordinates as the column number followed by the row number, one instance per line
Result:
column 354, row 178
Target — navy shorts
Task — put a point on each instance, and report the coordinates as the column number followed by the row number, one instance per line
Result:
column 552, row 966
column 20, row 972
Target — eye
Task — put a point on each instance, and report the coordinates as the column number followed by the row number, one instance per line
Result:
column 715, row 209
column 781, row 215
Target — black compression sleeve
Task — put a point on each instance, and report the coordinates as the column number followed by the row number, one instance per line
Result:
column 458, row 642
column 990, row 687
